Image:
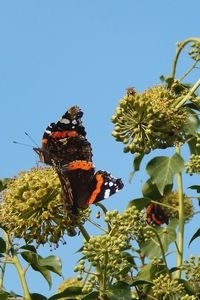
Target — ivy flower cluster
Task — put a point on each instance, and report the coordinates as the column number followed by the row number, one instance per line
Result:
column 107, row 252
column 32, row 208
column 171, row 206
column 194, row 51
column 165, row 285
column 149, row 120
column 193, row 165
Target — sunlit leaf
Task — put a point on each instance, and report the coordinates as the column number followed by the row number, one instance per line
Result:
column 192, row 123
column 68, row 292
column 136, row 164
column 151, row 191
column 192, row 146
column 147, row 273
column 52, row 263
column 119, row 291
column 196, row 235
column 43, row 265
column 163, row 168
column 139, row 203
column 164, row 235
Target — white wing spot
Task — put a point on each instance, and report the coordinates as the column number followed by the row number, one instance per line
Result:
column 107, row 193
column 65, row 121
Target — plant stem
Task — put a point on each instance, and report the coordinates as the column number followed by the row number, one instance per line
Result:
column 180, row 47
column 84, row 232
column 189, row 95
column 22, row 278
column 180, row 237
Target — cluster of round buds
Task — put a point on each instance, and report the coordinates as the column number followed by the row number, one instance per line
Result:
column 32, row 208
column 130, row 223
column 195, row 51
column 171, row 206
column 191, row 268
column 165, row 285
column 193, row 165
column 106, row 251
column 149, row 120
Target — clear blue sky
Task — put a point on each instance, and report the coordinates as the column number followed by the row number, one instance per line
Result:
column 54, row 54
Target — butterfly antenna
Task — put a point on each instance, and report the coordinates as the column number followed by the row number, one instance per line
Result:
column 18, row 143
column 30, row 138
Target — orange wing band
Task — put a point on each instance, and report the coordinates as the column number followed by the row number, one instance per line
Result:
column 80, row 164
column 95, row 193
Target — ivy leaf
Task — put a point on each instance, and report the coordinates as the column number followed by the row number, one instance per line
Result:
column 36, row 296
column 195, row 187
column 192, row 123
column 151, row 191
column 196, row 235
column 119, row 291
column 91, row 296
column 43, row 265
column 192, row 146
column 68, row 292
column 139, row 203
column 167, row 235
column 136, row 164
column 148, row 273
column 3, row 183
column 163, row 168
column 2, row 245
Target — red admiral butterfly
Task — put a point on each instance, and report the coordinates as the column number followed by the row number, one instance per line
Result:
column 65, row 147
column 156, row 215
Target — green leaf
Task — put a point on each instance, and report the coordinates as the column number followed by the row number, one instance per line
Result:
column 146, row 273
column 151, row 191
column 119, row 291
column 2, row 245
column 167, row 235
column 136, row 164
column 196, row 235
column 4, row 295
column 139, row 203
column 68, row 292
column 36, row 296
column 3, row 183
column 192, row 146
column 195, row 187
column 192, row 123
column 91, row 296
column 29, row 248
column 163, row 168
column 43, row 265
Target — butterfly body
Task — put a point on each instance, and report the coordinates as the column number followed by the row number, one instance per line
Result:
column 66, row 148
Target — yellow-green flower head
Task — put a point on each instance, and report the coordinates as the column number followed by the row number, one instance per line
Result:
column 193, row 165
column 171, row 200
column 149, row 120
column 32, row 208
column 165, row 285
column 195, row 51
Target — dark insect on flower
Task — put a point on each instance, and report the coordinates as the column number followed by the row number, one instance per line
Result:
column 156, row 215
column 66, row 148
